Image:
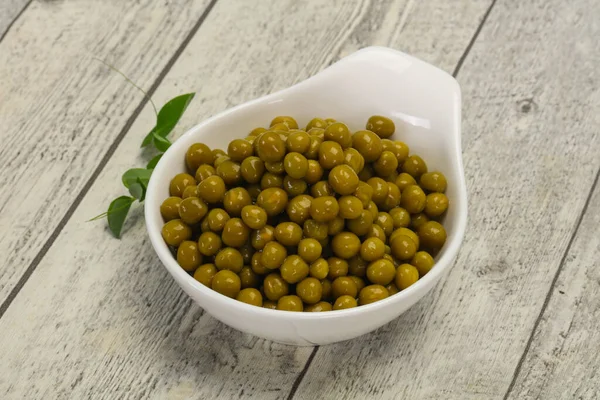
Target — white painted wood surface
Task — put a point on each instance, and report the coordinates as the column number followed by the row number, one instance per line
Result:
column 61, row 110
column 100, row 316
column 9, row 11
column 530, row 91
column 563, row 361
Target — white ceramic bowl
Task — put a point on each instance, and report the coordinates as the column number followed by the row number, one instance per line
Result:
column 424, row 103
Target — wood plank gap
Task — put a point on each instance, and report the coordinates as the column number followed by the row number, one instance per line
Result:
column 456, row 70
column 551, row 288
column 14, row 20
column 300, row 377
column 462, row 58
column 109, row 153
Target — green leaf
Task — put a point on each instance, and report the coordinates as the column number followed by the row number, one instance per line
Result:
column 152, row 163
column 161, row 143
column 137, row 191
column 132, row 175
column 167, row 118
column 117, row 212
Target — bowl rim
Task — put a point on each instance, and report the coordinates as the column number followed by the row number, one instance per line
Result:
column 443, row 264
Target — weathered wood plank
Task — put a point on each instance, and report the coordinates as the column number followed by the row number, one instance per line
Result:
column 101, row 316
column 563, row 361
column 530, row 91
column 60, row 110
column 9, row 10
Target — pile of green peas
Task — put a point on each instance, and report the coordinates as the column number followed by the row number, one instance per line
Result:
column 313, row 219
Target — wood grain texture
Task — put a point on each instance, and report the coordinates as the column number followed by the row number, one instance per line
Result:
column 61, row 110
column 530, row 88
column 563, row 361
column 100, row 317
column 9, row 11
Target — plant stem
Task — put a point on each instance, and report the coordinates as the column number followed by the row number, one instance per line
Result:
column 130, row 82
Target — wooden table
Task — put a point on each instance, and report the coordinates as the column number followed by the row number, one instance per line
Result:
column 84, row 315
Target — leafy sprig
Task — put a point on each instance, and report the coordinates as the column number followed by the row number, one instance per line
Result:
column 167, row 118
column 136, row 180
